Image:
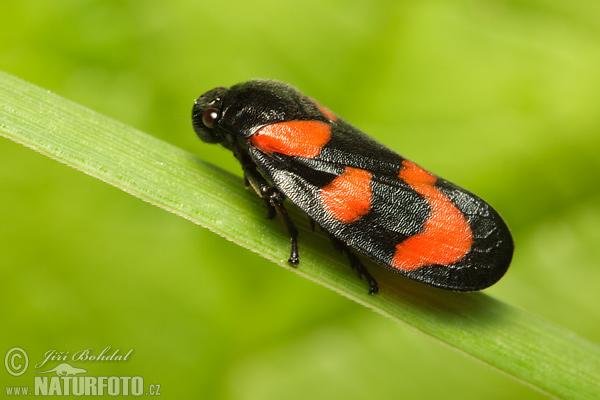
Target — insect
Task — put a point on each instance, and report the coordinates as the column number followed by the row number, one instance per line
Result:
column 364, row 195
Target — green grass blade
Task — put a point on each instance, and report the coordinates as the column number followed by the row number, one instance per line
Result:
column 548, row 357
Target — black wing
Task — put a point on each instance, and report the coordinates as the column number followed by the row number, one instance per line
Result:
column 398, row 210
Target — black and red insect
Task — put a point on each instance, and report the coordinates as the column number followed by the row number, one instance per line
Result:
column 366, row 196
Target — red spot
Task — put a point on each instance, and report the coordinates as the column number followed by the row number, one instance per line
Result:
column 325, row 111
column 446, row 236
column 348, row 197
column 293, row 138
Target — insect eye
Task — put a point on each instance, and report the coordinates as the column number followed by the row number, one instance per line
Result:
column 209, row 117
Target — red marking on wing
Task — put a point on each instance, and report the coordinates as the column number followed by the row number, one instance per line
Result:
column 326, row 112
column 293, row 138
column 348, row 197
column 446, row 236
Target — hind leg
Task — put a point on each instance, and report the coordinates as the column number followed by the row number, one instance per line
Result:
column 356, row 264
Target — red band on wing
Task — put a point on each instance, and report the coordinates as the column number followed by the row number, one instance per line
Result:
column 446, row 235
column 293, row 138
column 348, row 197
column 326, row 112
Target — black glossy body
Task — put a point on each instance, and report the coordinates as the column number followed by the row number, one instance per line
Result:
column 397, row 210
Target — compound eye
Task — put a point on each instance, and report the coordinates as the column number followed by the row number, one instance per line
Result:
column 209, row 117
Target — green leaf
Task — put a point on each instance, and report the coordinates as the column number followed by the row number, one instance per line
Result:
column 548, row 357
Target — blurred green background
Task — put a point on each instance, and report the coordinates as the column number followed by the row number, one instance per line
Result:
column 500, row 97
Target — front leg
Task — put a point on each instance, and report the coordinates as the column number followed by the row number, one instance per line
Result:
column 271, row 212
column 275, row 198
column 274, row 201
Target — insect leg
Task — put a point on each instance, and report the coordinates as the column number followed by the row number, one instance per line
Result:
column 274, row 200
column 253, row 178
column 356, row 264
